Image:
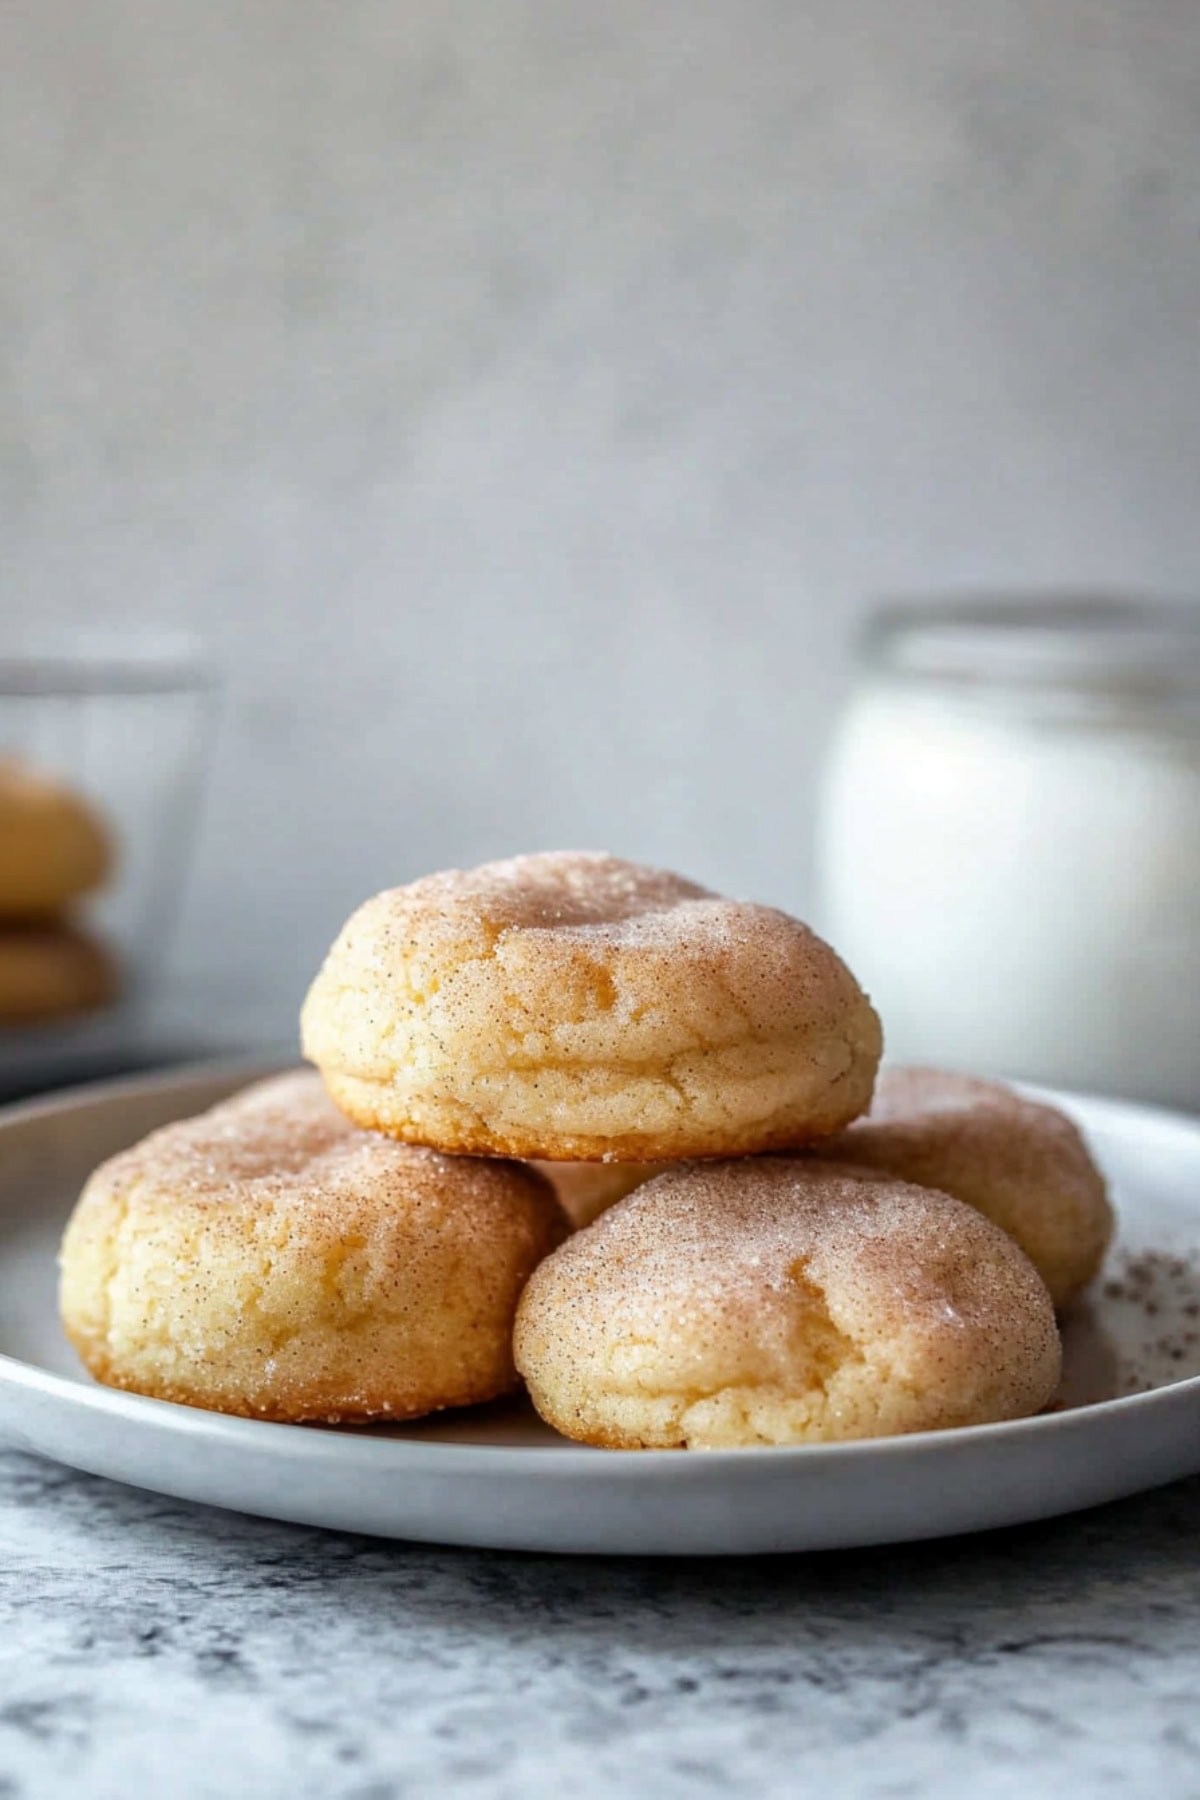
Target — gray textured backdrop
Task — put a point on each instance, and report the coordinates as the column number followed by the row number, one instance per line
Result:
column 521, row 397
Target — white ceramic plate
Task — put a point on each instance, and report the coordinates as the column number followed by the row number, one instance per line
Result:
column 497, row 1477
column 34, row 1057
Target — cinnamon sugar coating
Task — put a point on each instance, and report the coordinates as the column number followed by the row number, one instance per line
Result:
column 1024, row 1165
column 587, row 1189
column 574, row 1006
column 783, row 1301
column 270, row 1259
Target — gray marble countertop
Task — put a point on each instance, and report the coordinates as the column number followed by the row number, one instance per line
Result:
column 149, row 1647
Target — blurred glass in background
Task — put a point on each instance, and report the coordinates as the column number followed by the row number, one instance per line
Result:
column 102, row 757
column 1009, row 845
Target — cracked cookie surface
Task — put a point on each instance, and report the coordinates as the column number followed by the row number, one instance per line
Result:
column 783, row 1301
column 270, row 1259
column 573, row 1006
column 1021, row 1163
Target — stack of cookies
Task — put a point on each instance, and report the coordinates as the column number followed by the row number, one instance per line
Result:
column 53, row 852
column 587, row 1124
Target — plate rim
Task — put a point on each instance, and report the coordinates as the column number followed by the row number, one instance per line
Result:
column 312, row 1443
column 308, row 1442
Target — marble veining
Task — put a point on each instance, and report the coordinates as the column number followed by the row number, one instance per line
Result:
column 148, row 1646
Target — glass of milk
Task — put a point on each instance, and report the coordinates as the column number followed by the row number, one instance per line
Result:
column 1009, row 846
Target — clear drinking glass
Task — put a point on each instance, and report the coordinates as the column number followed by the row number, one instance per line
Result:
column 1009, row 846
column 128, row 730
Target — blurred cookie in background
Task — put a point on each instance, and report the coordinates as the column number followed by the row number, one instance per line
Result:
column 52, row 971
column 104, row 742
column 54, row 848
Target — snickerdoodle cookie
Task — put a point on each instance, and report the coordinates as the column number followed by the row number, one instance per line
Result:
column 270, row 1259
column 573, row 1006
column 51, row 971
column 1021, row 1163
column 783, row 1301
column 53, row 848
column 586, row 1189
